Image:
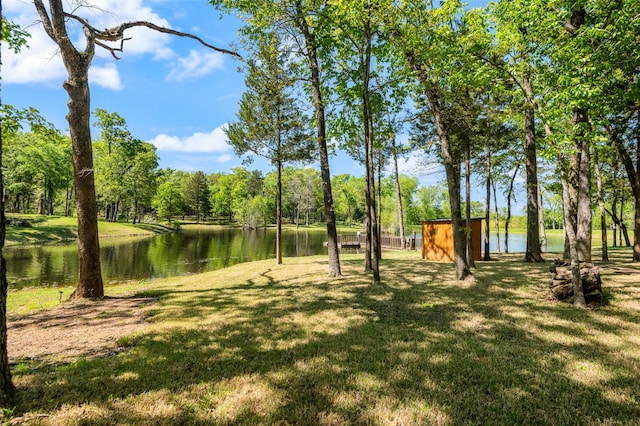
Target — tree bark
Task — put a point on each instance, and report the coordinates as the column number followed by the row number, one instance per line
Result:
column 452, row 171
column 614, row 219
column 580, row 173
column 487, row 207
column 583, row 219
column 507, row 220
column 578, row 291
column 603, row 213
column 571, row 193
column 7, row 390
column 279, row 213
column 497, row 213
column 379, row 203
column 467, row 183
column 77, row 87
column 89, row 277
column 325, row 175
column 543, row 232
column 365, row 61
column 396, row 178
column 533, row 252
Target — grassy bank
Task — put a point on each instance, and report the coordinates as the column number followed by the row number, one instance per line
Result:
column 53, row 229
column 261, row 343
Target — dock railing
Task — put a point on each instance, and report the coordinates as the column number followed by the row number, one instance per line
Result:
column 392, row 242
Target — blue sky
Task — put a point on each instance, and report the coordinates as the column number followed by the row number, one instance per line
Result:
column 172, row 91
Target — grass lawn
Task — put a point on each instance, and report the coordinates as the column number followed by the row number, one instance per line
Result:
column 52, row 229
column 259, row 343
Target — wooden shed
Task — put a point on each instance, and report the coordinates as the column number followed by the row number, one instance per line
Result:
column 437, row 239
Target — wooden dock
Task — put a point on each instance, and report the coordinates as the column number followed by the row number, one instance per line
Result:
column 393, row 242
column 351, row 242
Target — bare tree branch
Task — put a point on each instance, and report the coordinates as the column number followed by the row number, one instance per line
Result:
column 117, row 34
column 112, row 49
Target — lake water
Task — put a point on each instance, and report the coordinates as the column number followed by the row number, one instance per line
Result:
column 181, row 253
column 187, row 252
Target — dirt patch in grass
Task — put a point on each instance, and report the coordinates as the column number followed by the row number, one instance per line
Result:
column 85, row 328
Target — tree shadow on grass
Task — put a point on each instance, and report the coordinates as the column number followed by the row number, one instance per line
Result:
column 419, row 349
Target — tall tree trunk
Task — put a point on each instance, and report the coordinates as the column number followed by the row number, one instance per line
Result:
column 77, row 87
column 452, row 171
column 90, row 276
column 7, row 390
column 580, row 173
column 396, row 179
column 279, row 212
column 325, row 175
column 367, row 240
column 583, row 219
column 365, row 61
column 135, row 210
column 603, row 213
column 578, row 292
column 543, row 231
column 636, row 194
column 533, row 252
column 67, row 202
column 507, row 220
column 379, row 203
column 571, row 207
column 487, row 207
column 467, row 183
column 497, row 218
column 614, row 219
column 451, row 163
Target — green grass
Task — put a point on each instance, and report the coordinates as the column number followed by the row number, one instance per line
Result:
column 53, row 229
column 261, row 343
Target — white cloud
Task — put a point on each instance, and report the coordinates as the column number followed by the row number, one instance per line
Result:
column 224, row 158
column 428, row 172
column 41, row 63
column 106, row 76
column 109, row 13
column 195, row 65
column 214, row 142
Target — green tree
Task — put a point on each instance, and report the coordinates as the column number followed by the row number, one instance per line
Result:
column 197, row 195
column 306, row 22
column 301, row 188
column 38, row 165
column 168, row 200
column 433, row 202
column 141, row 180
column 350, row 203
column 515, row 56
column 428, row 38
column 222, row 197
column 125, row 167
column 391, row 218
column 256, row 212
column 270, row 122
column 356, row 35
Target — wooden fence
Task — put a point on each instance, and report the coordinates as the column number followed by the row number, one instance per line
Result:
column 392, row 242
